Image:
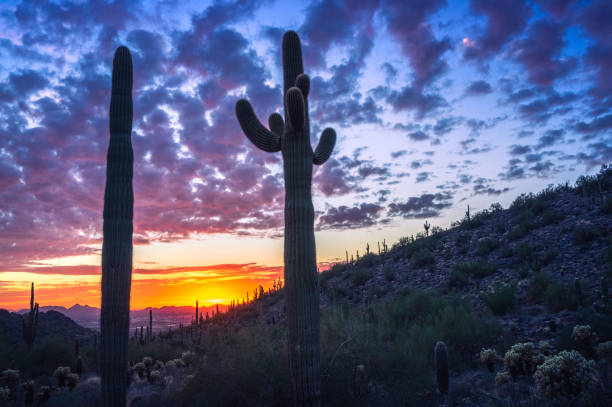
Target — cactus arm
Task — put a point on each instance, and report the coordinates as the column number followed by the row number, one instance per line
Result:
column 276, row 124
column 325, row 146
column 294, row 102
column 263, row 138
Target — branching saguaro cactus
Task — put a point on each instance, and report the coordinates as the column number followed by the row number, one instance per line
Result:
column 117, row 243
column 29, row 327
column 291, row 136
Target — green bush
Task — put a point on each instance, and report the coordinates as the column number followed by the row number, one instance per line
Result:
column 389, row 272
column 360, row 276
column 486, row 246
column 551, row 216
column 477, row 269
column 559, row 296
column 501, row 299
column 538, row 285
column 423, row 258
column 369, row 260
column 458, row 279
column 583, row 235
column 518, row 231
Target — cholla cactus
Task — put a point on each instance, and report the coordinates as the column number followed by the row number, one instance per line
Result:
column 5, row 394
column 140, row 369
column 441, row 363
column 71, row 380
column 502, row 378
column 10, row 378
column 489, row 357
column 148, row 362
column 61, row 374
column 564, row 376
column 28, row 388
column 154, row 377
column 545, row 348
column 44, row 394
column 188, row 357
column 292, row 137
column 522, row 359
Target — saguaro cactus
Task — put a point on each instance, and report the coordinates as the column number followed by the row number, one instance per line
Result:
column 117, row 243
column 292, row 137
column 29, row 327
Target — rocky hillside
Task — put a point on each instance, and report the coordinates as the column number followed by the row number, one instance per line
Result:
column 531, row 265
column 49, row 323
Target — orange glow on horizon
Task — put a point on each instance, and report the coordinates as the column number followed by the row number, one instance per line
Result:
column 180, row 286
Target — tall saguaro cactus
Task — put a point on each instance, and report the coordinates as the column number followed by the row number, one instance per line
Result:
column 291, row 136
column 117, row 244
column 29, row 327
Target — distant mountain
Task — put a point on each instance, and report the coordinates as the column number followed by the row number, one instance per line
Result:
column 163, row 318
column 49, row 323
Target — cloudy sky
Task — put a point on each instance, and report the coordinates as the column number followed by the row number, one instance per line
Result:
column 437, row 105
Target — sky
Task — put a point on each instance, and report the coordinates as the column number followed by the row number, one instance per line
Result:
column 437, row 105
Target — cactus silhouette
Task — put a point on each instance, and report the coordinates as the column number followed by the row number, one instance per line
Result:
column 291, row 136
column 117, row 243
column 29, row 327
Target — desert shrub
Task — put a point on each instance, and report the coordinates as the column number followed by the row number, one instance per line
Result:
column 368, row 260
column 158, row 350
column 538, row 285
column 499, row 226
column 564, row 376
column 46, row 356
column 360, row 276
column 486, row 246
column 477, row 269
column 501, row 299
column 606, row 206
column 583, row 235
column 334, row 271
column 518, row 231
column 389, row 272
column 394, row 339
column 458, row 278
column 463, row 239
column 551, row 216
column 560, row 296
column 423, row 258
column 230, row 373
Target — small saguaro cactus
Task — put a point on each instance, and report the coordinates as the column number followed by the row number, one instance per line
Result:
column 197, row 321
column 150, row 338
column 441, row 363
column 291, row 136
column 29, row 327
column 426, row 225
column 117, row 241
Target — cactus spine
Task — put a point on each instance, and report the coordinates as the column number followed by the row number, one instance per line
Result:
column 29, row 327
column 117, row 243
column 291, row 136
column 441, row 363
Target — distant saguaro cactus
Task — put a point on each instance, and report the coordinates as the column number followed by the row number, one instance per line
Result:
column 426, row 226
column 29, row 327
column 441, row 363
column 117, row 243
column 291, row 136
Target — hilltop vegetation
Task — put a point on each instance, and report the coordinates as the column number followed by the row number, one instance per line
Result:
column 520, row 297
